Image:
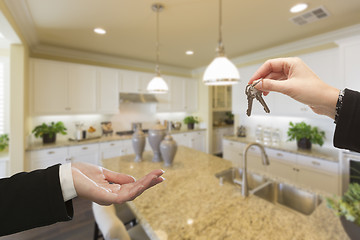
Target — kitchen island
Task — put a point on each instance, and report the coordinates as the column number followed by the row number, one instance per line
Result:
column 191, row 204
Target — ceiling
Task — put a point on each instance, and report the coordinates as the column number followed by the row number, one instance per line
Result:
column 248, row 26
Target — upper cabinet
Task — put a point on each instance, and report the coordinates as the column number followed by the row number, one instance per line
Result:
column 66, row 88
column 221, row 98
column 133, row 82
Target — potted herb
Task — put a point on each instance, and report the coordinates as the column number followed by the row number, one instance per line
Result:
column 230, row 118
column 4, row 142
column 348, row 209
column 48, row 131
column 190, row 121
column 305, row 135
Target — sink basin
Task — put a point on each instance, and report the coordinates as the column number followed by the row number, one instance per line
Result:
column 290, row 197
column 234, row 176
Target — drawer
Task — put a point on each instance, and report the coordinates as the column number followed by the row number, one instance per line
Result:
column 282, row 156
column 83, row 149
column 113, row 144
column 233, row 146
column 319, row 164
column 51, row 152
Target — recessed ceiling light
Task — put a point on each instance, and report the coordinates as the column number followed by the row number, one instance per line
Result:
column 99, row 31
column 189, row 52
column 298, row 7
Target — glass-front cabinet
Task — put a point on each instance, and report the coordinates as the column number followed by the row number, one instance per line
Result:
column 221, row 98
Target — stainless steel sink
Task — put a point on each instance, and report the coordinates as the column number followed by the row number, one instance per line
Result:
column 290, row 197
column 234, row 176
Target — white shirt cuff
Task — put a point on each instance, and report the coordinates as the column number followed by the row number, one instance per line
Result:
column 66, row 182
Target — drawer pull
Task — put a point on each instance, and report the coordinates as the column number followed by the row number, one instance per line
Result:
column 51, row 152
column 84, row 148
column 315, row 163
column 113, row 144
column 279, row 155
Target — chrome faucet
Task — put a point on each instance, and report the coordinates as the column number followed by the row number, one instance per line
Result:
column 265, row 161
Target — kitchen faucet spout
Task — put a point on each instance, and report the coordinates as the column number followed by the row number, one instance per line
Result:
column 265, row 161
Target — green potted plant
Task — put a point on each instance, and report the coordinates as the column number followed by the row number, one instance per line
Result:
column 4, row 142
column 305, row 135
column 230, row 118
column 48, row 131
column 348, row 209
column 190, row 121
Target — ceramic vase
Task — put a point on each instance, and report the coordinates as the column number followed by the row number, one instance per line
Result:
column 168, row 149
column 138, row 142
column 156, row 135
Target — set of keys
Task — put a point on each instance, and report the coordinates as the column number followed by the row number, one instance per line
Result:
column 251, row 93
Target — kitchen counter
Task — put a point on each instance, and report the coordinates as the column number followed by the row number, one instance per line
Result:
column 39, row 145
column 190, row 204
column 329, row 154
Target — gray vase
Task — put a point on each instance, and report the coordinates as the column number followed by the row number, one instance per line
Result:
column 168, row 149
column 138, row 142
column 156, row 135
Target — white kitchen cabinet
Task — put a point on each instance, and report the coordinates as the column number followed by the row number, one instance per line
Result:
column 191, row 95
column 49, row 87
column 85, row 153
column 233, row 151
column 221, row 98
column 116, row 149
column 143, row 81
column 164, row 99
column 198, row 141
column 107, row 91
column 128, row 81
column 218, row 134
column 82, row 88
column 4, row 166
column 178, row 88
column 45, row 158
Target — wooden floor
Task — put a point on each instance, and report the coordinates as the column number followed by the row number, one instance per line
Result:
column 81, row 227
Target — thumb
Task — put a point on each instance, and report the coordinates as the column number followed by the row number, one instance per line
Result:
column 270, row 85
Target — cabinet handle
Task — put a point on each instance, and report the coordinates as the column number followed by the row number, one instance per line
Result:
column 315, row 163
column 67, row 108
column 68, row 159
column 279, row 155
column 51, row 152
column 112, row 144
column 84, row 148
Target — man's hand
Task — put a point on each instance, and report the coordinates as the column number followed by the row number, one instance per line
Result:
column 106, row 187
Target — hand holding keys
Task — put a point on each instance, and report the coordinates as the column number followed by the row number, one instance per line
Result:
column 251, row 93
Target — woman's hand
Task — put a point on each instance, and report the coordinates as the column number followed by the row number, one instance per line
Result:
column 106, row 187
column 292, row 77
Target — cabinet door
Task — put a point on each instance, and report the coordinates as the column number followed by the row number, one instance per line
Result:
column 182, row 139
column 177, row 94
column 350, row 56
column 191, row 95
column 164, row 99
column 110, row 149
column 45, row 158
column 233, row 151
column 85, row 153
column 128, row 81
column 143, row 81
column 82, row 89
column 198, row 141
column 283, row 170
column 49, row 87
column 318, row 180
column 107, row 91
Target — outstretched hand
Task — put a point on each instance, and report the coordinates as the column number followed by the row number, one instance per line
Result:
column 106, row 187
column 291, row 76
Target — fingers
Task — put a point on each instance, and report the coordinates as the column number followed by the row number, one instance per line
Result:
column 119, row 178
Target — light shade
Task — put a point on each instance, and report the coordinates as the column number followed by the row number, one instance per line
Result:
column 157, row 85
column 221, row 71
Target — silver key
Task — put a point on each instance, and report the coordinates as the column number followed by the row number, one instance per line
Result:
column 250, row 98
column 259, row 97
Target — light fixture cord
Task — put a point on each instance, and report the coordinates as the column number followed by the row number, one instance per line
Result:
column 220, row 48
column 157, row 69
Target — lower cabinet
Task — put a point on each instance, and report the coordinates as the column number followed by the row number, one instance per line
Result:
column 195, row 140
column 85, row 153
column 218, row 135
column 45, row 158
column 298, row 169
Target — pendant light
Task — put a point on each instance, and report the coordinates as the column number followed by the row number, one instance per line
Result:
column 157, row 84
column 221, row 70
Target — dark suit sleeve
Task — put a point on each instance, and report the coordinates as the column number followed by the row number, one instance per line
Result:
column 347, row 131
column 34, row 199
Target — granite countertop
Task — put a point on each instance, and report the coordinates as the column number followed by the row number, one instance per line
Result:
column 329, row 154
column 38, row 145
column 190, row 204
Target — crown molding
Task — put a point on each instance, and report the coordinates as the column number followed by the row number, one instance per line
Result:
column 285, row 49
column 41, row 51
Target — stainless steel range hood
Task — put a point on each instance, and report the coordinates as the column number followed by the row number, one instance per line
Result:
column 137, row 98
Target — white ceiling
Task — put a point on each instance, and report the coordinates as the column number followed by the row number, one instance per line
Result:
column 248, row 26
